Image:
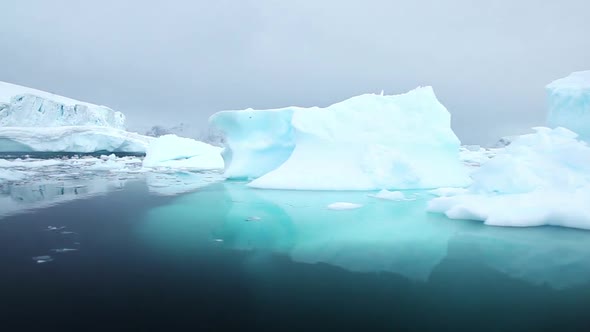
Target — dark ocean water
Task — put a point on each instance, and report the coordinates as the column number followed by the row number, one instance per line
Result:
column 228, row 258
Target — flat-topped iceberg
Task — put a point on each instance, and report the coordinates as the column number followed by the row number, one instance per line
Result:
column 540, row 179
column 37, row 121
column 171, row 151
column 569, row 103
column 25, row 107
column 363, row 143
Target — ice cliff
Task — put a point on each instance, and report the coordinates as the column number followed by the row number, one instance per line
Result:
column 37, row 121
column 569, row 103
column 26, row 107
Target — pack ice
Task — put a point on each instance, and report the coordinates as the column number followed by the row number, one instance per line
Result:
column 540, row 179
column 569, row 103
column 33, row 121
column 363, row 143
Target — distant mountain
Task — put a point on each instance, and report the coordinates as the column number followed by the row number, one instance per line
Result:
column 210, row 136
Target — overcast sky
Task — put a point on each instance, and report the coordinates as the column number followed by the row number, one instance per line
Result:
column 166, row 62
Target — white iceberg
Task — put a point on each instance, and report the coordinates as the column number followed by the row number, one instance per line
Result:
column 389, row 195
column 38, row 121
column 364, row 143
column 79, row 139
column 569, row 103
column 171, row 151
column 539, row 179
column 25, row 107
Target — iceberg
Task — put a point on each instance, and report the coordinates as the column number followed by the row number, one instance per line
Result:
column 25, row 107
column 539, row 179
column 569, row 103
column 171, row 151
column 367, row 142
column 7, row 175
column 37, row 121
column 79, row 139
column 389, row 195
column 256, row 142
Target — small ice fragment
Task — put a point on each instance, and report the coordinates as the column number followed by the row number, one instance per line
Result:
column 389, row 195
column 63, row 250
column 53, row 228
column 344, row 206
column 42, row 259
column 68, row 233
column 218, row 240
column 253, row 218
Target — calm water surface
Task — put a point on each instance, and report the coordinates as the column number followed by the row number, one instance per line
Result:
column 138, row 254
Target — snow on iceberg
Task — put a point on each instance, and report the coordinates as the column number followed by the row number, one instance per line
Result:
column 80, row 139
column 569, row 103
column 364, row 143
column 171, row 151
column 25, row 107
column 540, row 179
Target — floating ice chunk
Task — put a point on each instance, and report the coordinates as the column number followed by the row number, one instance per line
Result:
column 63, row 250
column 253, row 218
column 539, row 179
column 29, row 163
column 389, row 195
column 364, row 143
column 568, row 209
column 171, row 151
column 344, row 206
column 42, row 259
column 55, row 228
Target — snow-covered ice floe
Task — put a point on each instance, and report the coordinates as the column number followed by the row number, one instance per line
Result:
column 569, row 103
column 540, row 179
column 367, row 142
column 171, row 151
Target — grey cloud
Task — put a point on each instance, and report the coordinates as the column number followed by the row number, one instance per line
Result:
column 180, row 61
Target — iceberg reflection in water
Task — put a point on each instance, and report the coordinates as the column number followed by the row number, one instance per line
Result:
column 23, row 197
column 382, row 236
